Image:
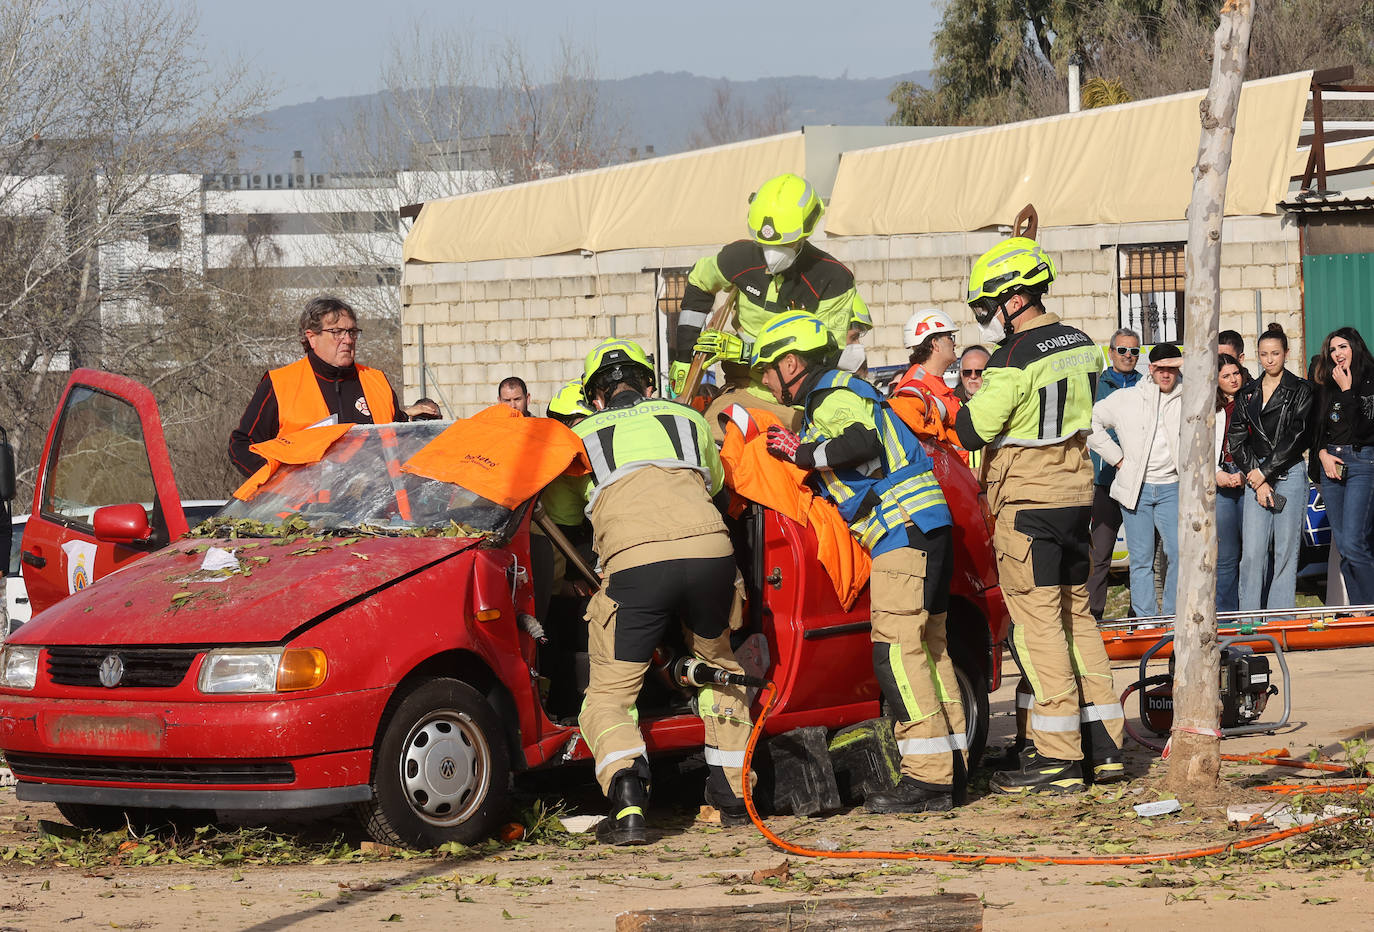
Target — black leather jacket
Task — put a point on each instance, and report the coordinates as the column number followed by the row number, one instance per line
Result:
column 1271, row 437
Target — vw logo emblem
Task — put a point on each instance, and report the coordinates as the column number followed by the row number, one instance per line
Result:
column 111, row 671
column 448, row 768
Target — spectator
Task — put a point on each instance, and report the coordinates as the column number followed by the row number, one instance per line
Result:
column 1123, row 354
column 423, row 413
column 1268, row 434
column 1147, row 418
column 327, row 386
column 1230, row 487
column 1229, row 341
column 513, row 393
column 1344, row 455
column 971, row 365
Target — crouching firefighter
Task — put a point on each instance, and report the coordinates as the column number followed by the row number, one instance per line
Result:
column 870, row 464
column 1032, row 415
column 655, row 505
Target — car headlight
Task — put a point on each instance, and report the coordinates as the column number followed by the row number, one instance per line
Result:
column 18, row 666
column 265, row 670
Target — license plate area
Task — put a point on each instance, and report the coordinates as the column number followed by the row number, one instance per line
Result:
column 103, row 733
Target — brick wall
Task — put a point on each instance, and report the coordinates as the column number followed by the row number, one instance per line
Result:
column 537, row 318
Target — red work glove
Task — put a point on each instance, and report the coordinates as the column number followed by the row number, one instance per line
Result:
column 782, row 443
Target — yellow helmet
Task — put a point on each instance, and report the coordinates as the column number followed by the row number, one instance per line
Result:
column 613, row 360
column 569, row 403
column 793, row 332
column 784, row 210
column 1015, row 263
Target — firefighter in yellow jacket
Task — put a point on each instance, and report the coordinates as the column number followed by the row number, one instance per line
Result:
column 777, row 269
column 655, row 504
column 871, row 465
column 1032, row 415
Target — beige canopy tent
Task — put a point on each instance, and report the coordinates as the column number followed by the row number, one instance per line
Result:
column 1128, row 163
column 681, row 200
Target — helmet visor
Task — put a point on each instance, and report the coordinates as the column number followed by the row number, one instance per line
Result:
column 985, row 308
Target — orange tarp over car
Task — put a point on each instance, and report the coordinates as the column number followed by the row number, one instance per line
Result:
column 501, row 455
column 302, row 446
column 752, row 473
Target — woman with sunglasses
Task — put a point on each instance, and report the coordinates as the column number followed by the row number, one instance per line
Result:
column 1230, row 485
column 1343, row 454
column 1268, row 434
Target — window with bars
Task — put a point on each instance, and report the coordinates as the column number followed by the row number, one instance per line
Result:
column 669, row 287
column 1151, row 291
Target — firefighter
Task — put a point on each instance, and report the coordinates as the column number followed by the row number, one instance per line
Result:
column 930, row 335
column 777, row 269
column 870, row 464
column 655, row 505
column 1032, row 414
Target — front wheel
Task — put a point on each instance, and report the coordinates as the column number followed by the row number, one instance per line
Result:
column 440, row 772
column 973, row 693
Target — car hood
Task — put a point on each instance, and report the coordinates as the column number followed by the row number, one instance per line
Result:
column 169, row 598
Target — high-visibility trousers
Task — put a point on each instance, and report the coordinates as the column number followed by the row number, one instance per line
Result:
column 627, row 619
column 1042, row 564
column 909, row 597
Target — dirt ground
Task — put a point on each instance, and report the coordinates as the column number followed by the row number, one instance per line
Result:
column 1311, row 880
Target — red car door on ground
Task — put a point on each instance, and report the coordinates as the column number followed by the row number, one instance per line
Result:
column 105, row 447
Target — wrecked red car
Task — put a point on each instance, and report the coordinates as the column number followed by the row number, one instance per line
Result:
column 358, row 635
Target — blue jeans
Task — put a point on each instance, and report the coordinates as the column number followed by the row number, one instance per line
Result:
column 1350, row 510
column 1261, row 528
column 1230, row 504
column 1155, row 510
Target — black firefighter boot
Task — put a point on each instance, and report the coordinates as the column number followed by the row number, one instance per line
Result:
column 629, row 794
column 1108, row 764
column 719, row 795
column 911, row 795
column 1041, row 775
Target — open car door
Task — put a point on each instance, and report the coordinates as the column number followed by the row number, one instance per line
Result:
column 105, row 448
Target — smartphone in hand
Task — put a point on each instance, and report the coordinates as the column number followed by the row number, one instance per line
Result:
column 1278, row 502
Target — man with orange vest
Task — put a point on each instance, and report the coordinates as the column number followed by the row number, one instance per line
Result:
column 930, row 335
column 325, row 387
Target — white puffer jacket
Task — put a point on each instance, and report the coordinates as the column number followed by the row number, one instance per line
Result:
column 1133, row 413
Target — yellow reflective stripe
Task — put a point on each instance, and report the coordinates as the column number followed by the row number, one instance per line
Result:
column 894, row 660
column 1018, row 637
column 628, row 811
column 941, row 692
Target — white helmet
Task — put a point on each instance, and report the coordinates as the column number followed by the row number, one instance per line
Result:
column 922, row 325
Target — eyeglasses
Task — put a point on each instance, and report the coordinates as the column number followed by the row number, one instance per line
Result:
column 971, row 373
column 339, row 333
column 1128, row 350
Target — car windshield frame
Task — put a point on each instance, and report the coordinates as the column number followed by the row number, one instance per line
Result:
column 359, row 485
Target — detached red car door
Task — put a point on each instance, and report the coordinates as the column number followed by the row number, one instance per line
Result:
column 105, row 447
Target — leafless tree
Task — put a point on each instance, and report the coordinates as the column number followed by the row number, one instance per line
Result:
column 728, row 119
column 101, row 103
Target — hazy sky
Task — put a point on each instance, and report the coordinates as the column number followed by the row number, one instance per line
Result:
column 333, row 48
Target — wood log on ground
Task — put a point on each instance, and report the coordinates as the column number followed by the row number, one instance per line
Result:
column 944, row 912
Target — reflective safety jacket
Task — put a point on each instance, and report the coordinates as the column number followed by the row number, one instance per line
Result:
column 1037, row 389
column 654, row 473
column 817, row 283
column 879, row 497
column 301, row 404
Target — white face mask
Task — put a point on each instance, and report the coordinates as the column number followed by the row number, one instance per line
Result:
column 780, row 258
column 994, row 331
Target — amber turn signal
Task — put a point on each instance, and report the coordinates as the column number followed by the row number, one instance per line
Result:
column 488, row 614
column 301, row 668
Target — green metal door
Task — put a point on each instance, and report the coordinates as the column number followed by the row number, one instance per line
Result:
column 1338, row 291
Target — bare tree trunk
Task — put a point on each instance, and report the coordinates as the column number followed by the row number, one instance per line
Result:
column 1195, row 756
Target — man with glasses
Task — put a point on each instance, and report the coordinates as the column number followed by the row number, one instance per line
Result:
column 972, row 362
column 327, row 386
column 1105, row 524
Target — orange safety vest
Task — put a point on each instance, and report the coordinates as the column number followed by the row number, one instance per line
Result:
column 755, row 475
column 300, row 403
column 928, row 406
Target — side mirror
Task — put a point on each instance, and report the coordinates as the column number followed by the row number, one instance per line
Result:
column 121, row 524
column 6, row 467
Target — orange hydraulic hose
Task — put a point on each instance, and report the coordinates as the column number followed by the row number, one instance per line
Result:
column 770, row 698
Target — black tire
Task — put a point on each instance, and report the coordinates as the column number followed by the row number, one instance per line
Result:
column 973, row 693
column 141, row 820
column 440, row 771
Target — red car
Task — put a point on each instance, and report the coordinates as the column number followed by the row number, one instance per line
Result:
column 377, row 655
